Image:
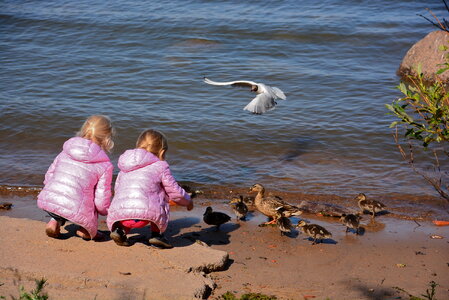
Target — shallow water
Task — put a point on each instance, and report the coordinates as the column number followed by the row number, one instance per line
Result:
column 142, row 64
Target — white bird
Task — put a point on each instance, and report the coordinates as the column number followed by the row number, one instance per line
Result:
column 266, row 95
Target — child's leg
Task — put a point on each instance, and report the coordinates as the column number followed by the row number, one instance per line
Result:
column 118, row 234
column 154, row 228
column 53, row 229
column 158, row 239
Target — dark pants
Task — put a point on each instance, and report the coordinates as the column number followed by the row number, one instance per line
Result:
column 59, row 219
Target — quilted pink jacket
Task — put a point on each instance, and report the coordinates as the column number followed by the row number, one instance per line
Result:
column 78, row 184
column 143, row 188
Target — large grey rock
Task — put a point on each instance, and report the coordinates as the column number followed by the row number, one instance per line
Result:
column 427, row 53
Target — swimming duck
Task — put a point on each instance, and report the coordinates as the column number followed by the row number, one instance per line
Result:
column 351, row 221
column 315, row 231
column 215, row 218
column 284, row 224
column 269, row 204
column 370, row 205
column 239, row 207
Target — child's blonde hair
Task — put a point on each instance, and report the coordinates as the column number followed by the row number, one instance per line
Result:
column 98, row 128
column 153, row 141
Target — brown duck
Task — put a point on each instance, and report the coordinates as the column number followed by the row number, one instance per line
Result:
column 268, row 205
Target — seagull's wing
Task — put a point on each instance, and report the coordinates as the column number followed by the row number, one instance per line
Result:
column 262, row 103
column 275, row 92
column 243, row 83
column 280, row 94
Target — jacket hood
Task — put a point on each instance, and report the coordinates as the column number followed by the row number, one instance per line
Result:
column 84, row 150
column 135, row 159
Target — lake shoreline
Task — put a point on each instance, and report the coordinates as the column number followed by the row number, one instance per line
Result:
column 391, row 251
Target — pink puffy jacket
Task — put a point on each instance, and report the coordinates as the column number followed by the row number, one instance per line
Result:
column 78, row 184
column 143, row 188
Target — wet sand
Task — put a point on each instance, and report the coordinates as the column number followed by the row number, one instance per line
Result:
column 395, row 250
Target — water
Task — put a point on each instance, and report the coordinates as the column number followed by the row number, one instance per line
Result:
column 142, row 63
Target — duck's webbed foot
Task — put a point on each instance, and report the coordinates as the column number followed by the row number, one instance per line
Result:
column 273, row 221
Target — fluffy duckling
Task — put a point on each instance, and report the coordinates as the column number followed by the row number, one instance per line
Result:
column 315, row 231
column 268, row 205
column 370, row 205
column 5, row 205
column 215, row 218
column 351, row 221
column 239, row 207
column 284, row 224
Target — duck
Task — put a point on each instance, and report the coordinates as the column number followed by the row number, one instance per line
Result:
column 315, row 231
column 6, row 205
column 351, row 221
column 216, row 218
column 268, row 205
column 372, row 206
column 239, row 207
column 283, row 223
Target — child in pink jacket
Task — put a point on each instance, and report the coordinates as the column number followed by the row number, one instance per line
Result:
column 143, row 189
column 77, row 185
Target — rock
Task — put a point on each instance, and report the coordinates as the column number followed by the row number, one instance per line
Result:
column 427, row 53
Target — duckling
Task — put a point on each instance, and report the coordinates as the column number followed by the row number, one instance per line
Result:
column 268, row 204
column 215, row 218
column 249, row 201
column 5, row 205
column 284, row 224
column 239, row 207
column 315, row 231
column 370, row 205
column 351, row 221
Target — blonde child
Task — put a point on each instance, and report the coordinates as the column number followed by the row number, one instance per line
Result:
column 143, row 189
column 77, row 186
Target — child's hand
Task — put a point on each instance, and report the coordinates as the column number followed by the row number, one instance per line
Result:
column 190, row 206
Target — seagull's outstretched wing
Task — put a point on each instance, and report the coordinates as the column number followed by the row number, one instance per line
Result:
column 241, row 83
column 262, row 103
column 279, row 94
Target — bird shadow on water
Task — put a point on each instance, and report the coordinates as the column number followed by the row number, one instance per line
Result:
column 299, row 146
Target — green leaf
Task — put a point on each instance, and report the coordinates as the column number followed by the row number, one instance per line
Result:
column 442, row 70
column 395, row 123
column 402, row 88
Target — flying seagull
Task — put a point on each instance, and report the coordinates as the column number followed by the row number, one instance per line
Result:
column 266, row 95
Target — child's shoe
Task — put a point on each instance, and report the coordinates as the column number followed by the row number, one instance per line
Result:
column 119, row 237
column 159, row 241
column 53, row 228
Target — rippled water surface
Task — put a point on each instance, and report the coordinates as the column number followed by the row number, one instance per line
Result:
column 142, row 63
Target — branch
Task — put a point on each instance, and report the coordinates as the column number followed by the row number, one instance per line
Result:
column 436, row 183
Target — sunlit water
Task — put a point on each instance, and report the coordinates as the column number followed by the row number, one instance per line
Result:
column 142, row 63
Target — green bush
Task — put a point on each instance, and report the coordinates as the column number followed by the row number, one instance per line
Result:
column 36, row 294
column 423, row 112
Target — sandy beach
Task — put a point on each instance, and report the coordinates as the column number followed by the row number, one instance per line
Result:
column 399, row 249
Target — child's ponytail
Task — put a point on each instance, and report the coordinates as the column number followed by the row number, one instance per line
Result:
column 98, row 128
